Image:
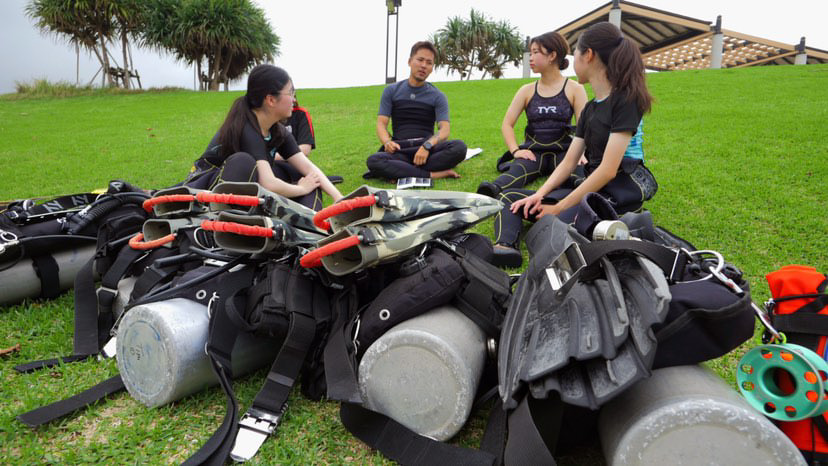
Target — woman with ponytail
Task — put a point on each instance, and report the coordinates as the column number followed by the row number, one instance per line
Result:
column 549, row 103
column 608, row 134
column 246, row 146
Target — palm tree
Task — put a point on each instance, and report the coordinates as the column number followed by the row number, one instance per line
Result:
column 477, row 42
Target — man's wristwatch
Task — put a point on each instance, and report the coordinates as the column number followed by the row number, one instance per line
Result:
column 427, row 145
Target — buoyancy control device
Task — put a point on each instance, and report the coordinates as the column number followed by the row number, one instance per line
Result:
column 44, row 244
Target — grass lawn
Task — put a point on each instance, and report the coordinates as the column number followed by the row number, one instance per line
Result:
column 740, row 156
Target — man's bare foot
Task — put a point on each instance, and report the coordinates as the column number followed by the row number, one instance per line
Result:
column 445, row 174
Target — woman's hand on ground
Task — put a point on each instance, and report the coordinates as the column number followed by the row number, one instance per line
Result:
column 524, row 154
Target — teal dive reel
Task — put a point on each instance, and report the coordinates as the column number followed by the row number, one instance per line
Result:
column 783, row 381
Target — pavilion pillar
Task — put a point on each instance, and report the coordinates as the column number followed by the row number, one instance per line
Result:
column 615, row 14
column 526, row 69
column 716, row 48
column 801, row 56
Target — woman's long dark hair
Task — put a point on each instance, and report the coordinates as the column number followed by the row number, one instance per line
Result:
column 554, row 42
column 625, row 69
column 263, row 80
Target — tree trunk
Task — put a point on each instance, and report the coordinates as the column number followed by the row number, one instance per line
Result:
column 225, row 71
column 200, row 81
column 215, row 69
column 105, row 54
column 124, row 45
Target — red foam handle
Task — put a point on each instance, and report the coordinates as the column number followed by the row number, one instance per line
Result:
column 237, row 228
column 314, row 258
column 235, row 199
column 137, row 241
column 152, row 202
column 321, row 217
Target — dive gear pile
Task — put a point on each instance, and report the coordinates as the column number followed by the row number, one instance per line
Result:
column 601, row 304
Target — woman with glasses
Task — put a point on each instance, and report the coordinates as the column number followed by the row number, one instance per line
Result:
column 245, row 147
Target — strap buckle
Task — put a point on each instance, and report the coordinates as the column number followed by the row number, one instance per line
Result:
column 564, row 270
column 255, row 427
column 110, row 348
column 113, row 292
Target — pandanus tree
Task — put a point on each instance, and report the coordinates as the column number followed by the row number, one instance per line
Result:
column 230, row 36
column 464, row 44
column 91, row 25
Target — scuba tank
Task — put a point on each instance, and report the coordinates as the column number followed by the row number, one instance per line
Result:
column 424, row 372
column 689, row 414
column 161, row 355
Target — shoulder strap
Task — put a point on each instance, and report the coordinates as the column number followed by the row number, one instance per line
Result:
column 242, row 440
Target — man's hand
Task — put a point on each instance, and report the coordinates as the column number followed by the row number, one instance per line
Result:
column 421, row 156
column 391, row 146
column 524, row 154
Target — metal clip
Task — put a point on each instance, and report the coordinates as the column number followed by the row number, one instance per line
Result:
column 255, row 427
column 726, row 281
column 110, row 348
column 564, row 270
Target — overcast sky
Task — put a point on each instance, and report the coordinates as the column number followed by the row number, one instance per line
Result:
column 334, row 43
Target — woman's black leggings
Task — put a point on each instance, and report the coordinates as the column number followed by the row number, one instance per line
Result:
column 521, row 172
column 241, row 167
column 621, row 191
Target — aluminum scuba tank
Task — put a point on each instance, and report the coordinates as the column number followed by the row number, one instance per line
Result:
column 21, row 281
column 161, row 355
column 424, row 372
column 688, row 415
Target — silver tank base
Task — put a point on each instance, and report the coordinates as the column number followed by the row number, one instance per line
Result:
column 20, row 281
column 424, row 372
column 688, row 415
column 160, row 351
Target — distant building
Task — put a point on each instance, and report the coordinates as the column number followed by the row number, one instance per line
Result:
column 669, row 41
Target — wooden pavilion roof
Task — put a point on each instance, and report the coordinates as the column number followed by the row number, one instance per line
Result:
column 669, row 41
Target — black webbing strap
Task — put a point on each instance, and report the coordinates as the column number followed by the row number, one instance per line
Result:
column 59, row 409
column 42, row 364
column 150, row 277
column 494, row 437
column 222, row 338
column 403, row 445
column 340, row 368
column 47, row 270
column 287, row 365
column 93, row 308
column 532, row 429
column 802, row 322
column 272, row 397
column 670, row 261
column 821, row 425
column 217, row 448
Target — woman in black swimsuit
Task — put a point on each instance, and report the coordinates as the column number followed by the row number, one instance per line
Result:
column 549, row 104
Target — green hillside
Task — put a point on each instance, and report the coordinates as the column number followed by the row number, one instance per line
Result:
column 740, row 157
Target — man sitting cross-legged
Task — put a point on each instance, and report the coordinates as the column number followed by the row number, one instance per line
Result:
column 413, row 106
